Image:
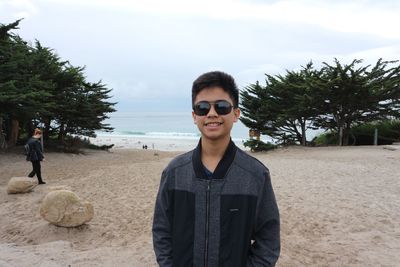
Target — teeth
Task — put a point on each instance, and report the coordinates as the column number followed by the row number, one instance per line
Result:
column 214, row 123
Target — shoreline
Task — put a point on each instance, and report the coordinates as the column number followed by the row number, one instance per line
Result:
column 152, row 142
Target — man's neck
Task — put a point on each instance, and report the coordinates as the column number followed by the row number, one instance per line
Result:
column 213, row 151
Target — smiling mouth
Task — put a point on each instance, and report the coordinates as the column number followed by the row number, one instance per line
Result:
column 213, row 123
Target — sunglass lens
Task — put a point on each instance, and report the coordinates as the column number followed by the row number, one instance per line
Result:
column 202, row 108
column 223, row 107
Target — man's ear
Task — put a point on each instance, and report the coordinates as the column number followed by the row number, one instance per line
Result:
column 194, row 117
column 236, row 113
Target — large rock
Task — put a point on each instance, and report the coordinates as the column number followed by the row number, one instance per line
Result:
column 65, row 208
column 20, row 185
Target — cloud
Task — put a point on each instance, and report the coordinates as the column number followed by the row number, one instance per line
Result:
column 158, row 88
column 257, row 73
column 18, row 8
column 153, row 50
column 370, row 56
column 362, row 16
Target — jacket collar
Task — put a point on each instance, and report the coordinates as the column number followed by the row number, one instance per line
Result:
column 222, row 167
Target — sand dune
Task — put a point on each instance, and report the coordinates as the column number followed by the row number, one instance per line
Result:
column 339, row 207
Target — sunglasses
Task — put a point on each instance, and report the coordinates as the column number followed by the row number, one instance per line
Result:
column 222, row 107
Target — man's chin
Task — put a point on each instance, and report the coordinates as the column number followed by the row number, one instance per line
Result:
column 214, row 137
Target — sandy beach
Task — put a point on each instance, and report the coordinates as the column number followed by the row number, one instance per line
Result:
column 339, row 207
column 152, row 142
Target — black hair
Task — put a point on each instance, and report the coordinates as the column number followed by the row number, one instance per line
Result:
column 216, row 78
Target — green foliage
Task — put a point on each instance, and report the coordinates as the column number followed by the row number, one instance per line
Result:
column 363, row 134
column 335, row 98
column 325, row 139
column 388, row 132
column 349, row 95
column 22, row 91
column 257, row 145
column 75, row 144
column 37, row 88
column 283, row 108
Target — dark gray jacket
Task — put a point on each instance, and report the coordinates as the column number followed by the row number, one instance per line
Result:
column 230, row 220
column 35, row 147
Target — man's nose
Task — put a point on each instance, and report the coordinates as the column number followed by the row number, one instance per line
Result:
column 212, row 112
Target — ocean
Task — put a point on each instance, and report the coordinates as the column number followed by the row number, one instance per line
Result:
column 160, row 125
column 163, row 131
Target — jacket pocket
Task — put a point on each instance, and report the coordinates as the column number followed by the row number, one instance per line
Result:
column 181, row 216
column 237, row 223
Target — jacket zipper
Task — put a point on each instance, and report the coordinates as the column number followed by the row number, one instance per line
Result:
column 207, row 222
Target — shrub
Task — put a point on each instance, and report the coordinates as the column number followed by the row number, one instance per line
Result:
column 388, row 132
column 74, row 144
column 363, row 134
column 325, row 139
column 257, row 145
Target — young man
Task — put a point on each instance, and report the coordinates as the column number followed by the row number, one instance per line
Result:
column 216, row 205
column 35, row 155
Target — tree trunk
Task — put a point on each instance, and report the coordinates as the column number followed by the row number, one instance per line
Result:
column 303, row 134
column 46, row 129
column 340, row 135
column 3, row 143
column 346, row 134
column 61, row 133
column 298, row 135
column 340, row 122
column 14, row 133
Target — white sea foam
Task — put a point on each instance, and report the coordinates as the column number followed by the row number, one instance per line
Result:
column 171, row 131
column 163, row 143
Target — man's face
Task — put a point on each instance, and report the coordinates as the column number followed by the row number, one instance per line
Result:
column 214, row 126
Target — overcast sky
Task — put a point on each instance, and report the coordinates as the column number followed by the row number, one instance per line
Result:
column 150, row 52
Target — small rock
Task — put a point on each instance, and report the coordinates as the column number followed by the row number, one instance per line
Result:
column 18, row 185
column 65, row 208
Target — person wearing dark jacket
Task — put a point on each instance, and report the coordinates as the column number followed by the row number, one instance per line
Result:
column 216, row 205
column 35, row 155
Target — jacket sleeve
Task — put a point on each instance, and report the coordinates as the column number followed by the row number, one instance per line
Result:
column 265, row 249
column 32, row 156
column 162, row 234
column 38, row 150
